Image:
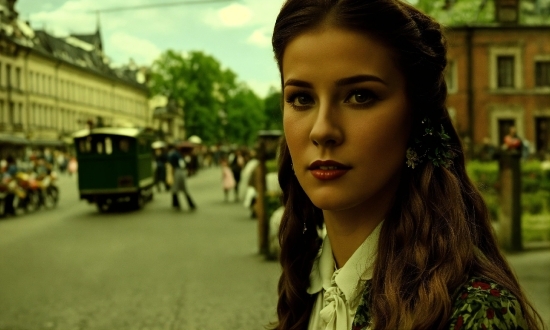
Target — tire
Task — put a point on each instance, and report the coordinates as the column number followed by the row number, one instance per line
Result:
column 103, row 206
column 50, row 197
column 54, row 192
column 33, row 201
column 138, row 201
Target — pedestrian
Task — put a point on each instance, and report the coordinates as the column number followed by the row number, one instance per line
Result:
column 370, row 151
column 160, row 169
column 178, row 172
column 237, row 164
column 511, row 140
column 228, row 181
column 72, row 167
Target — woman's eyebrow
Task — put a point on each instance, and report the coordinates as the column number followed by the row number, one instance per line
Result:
column 358, row 79
column 297, row 83
column 340, row 82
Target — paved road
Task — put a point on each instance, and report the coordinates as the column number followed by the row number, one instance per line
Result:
column 73, row 268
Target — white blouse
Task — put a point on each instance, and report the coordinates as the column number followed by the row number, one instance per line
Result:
column 339, row 291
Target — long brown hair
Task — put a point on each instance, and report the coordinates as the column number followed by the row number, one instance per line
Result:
column 438, row 232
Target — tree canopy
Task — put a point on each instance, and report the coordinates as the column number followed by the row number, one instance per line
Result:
column 463, row 12
column 216, row 106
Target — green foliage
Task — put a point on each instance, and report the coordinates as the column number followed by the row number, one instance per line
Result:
column 535, row 197
column 216, row 107
column 273, row 110
column 271, row 166
column 458, row 12
column 467, row 12
column 245, row 116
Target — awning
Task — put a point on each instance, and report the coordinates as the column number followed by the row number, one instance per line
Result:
column 13, row 139
column 47, row 143
column 158, row 145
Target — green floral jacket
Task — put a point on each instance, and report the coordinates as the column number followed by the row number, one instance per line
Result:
column 479, row 304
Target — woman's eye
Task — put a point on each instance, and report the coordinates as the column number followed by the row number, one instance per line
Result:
column 360, row 97
column 300, row 100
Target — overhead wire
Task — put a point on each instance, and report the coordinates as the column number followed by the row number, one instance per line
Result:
column 159, row 5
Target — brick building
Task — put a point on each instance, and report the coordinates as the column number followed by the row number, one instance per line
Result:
column 499, row 76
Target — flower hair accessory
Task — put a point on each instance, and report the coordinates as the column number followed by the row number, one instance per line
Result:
column 431, row 144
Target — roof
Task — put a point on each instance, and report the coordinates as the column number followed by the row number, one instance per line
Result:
column 88, row 58
column 92, row 39
column 121, row 131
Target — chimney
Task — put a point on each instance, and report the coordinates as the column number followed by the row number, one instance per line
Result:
column 507, row 12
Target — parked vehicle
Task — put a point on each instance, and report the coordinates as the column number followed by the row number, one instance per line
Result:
column 115, row 165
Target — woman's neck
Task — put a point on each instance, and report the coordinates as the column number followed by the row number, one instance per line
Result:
column 347, row 235
column 347, row 229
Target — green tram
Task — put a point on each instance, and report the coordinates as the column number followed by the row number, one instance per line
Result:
column 115, row 165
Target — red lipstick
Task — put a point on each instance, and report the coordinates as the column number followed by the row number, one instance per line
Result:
column 328, row 169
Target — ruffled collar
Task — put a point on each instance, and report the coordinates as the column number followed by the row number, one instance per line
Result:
column 350, row 278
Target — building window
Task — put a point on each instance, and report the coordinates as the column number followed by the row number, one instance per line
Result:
column 31, row 76
column 1, row 75
column 11, row 113
column 8, row 75
column 18, row 78
column 505, row 71
column 451, row 76
column 542, row 73
column 3, row 113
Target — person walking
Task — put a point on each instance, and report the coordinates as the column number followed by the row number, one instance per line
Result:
column 237, row 164
column 160, row 170
column 178, row 168
column 228, row 181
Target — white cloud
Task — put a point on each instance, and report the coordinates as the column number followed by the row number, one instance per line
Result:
column 260, row 37
column 234, row 15
column 126, row 46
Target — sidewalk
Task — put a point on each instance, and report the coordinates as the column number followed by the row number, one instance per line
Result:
column 533, row 270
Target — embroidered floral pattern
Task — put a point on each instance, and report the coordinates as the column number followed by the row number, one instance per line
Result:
column 479, row 304
column 484, row 305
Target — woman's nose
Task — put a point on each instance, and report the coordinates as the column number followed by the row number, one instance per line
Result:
column 326, row 130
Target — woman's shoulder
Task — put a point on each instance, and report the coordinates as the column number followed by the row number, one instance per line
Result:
column 484, row 304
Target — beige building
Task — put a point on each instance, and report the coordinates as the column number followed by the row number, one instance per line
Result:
column 51, row 87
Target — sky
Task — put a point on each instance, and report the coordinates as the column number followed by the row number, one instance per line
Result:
column 237, row 33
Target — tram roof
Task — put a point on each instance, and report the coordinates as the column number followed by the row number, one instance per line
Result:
column 122, row 131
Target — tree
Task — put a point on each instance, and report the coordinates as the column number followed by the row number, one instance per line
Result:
column 273, row 110
column 198, row 84
column 459, row 12
column 245, row 116
column 462, row 12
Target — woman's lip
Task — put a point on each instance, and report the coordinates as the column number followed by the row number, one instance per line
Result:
column 328, row 164
column 325, row 175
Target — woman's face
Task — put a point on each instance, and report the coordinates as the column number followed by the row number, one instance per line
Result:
column 346, row 117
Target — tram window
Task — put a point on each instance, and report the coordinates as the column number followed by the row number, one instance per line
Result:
column 85, row 146
column 124, row 145
column 108, row 146
column 99, row 147
column 82, row 146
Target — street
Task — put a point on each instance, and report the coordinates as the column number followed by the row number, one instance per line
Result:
column 158, row 268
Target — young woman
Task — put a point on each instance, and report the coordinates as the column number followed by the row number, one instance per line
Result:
column 370, row 151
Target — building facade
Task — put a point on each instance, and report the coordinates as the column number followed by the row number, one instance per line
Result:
column 51, row 87
column 499, row 76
